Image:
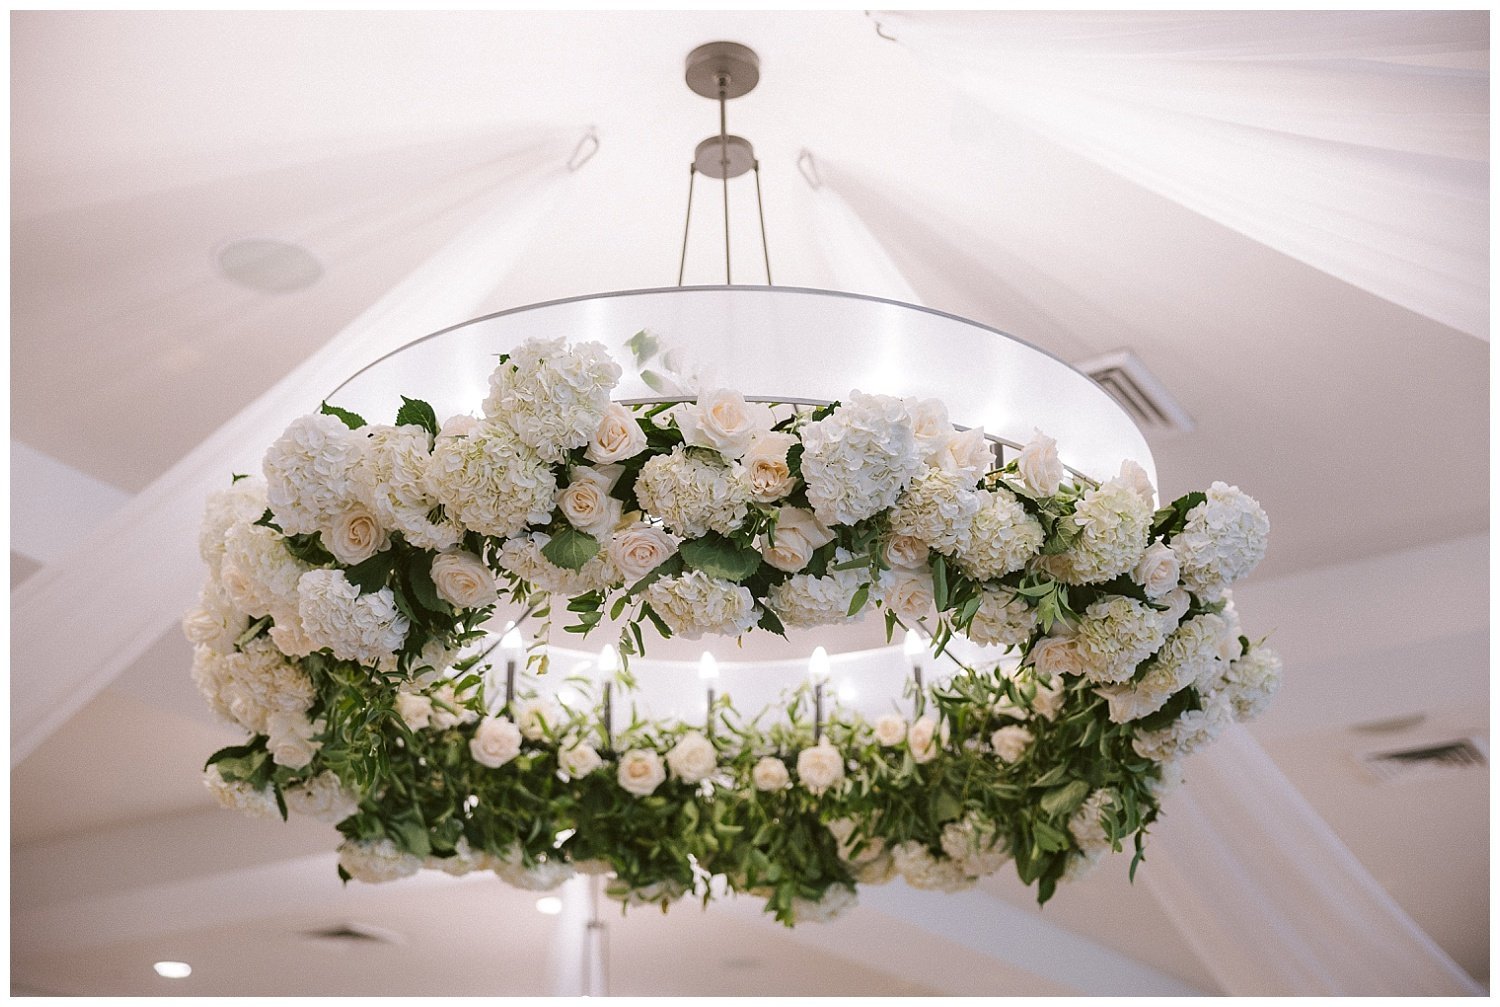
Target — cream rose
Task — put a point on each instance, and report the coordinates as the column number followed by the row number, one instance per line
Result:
column 496, row 741
column 641, row 771
column 579, row 760
column 1178, row 601
column 462, row 579
column 619, row 436
column 890, row 730
column 1057, row 655
column 355, row 535
column 922, row 739
column 766, row 467
column 290, row 739
column 1010, row 743
column 820, row 767
column 929, row 425
column 798, row 535
column 586, row 504
column 908, row 593
column 906, row 551
column 770, row 773
column 535, row 717
column 462, row 425
column 1135, row 477
column 1040, row 468
column 1157, row 572
column 965, row 453
column 415, row 710
column 693, row 758
column 724, row 421
column 639, row 549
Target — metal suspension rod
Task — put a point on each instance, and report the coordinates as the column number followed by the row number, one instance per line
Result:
column 724, row 170
column 760, row 208
column 682, row 265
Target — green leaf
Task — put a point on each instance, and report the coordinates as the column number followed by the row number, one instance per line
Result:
column 860, row 597
column 254, row 630
column 570, row 548
column 718, row 557
column 1064, row 800
column 946, row 807
column 770, row 622
column 1049, row 839
column 940, row 581
column 416, row 413
column 351, row 420
column 372, row 574
column 661, row 627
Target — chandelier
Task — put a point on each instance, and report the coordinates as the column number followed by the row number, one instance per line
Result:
column 465, row 626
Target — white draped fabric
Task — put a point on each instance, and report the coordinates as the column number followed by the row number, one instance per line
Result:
column 1354, row 141
column 1269, row 898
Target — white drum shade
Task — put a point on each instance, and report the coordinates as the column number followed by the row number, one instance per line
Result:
column 776, row 344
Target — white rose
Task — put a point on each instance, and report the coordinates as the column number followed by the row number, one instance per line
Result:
column 536, row 716
column 1057, row 655
column 355, row 535
column 586, row 504
column 798, row 535
column 1010, row 743
column 770, row 773
column 693, row 758
column 930, row 425
column 820, row 767
column 579, row 760
column 1040, row 468
column 890, row 730
column 766, row 468
column 639, row 549
column 922, row 739
column 415, row 710
column 290, row 739
column 461, row 425
column 906, row 551
column 908, row 593
column 496, row 741
column 1135, row 477
column 462, row 579
column 1157, row 571
column 965, row 453
column 1178, row 601
column 724, row 421
column 641, row 771
column 619, row 436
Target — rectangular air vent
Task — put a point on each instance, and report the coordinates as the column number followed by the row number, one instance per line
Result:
column 1140, row 392
column 1426, row 761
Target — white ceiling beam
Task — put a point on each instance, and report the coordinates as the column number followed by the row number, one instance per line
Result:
column 53, row 505
column 113, row 595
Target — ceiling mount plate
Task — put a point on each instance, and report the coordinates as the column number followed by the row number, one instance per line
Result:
column 711, row 153
column 736, row 65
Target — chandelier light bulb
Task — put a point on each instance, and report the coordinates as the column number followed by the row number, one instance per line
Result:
column 549, row 905
column 708, row 668
column 609, row 661
column 512, row 644
column 915, row 646
column 818, row 667
column 173, row 970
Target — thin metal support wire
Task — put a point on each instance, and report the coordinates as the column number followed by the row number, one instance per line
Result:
column 724, row 172
column 760, row 207
column 682, row 265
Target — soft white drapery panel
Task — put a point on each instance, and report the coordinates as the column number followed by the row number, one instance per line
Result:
column 1354, row 141
column 1270, row 900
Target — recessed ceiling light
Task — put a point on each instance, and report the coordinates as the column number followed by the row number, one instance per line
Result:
column 173, row 970
column 268, row 265
column 551, row 905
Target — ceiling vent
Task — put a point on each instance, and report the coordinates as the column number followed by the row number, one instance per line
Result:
column 1140, row 392
column 1440, row 759
column 351, row 934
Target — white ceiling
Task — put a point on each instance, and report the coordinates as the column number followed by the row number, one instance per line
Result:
column 142, row 142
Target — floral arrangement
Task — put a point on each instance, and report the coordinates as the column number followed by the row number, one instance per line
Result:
column 342, row 622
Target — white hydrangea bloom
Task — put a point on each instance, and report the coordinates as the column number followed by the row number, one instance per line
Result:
column 920, row 869
column 490, row 482
column 465, row 860
column 1114, row 523
column 1115, row 635
column 1002, row 537
column 1003, row 619
column 836, row 900
column 252, row 685
column 323, row 797
column 694, row 603
column 870, row 847
column 938, row 508
column 215, row 622
column 391, row 479
column 377, row 861
column 310, row 472
column 241, row 796
column 1251, row 682
column 1222, row 541
column 857, row 461
column 1191, row 731
column 976, row 845
column 258, row 574
column 354, row 626
column 242, row 503
column 804, row 601
column 523, row 557
column 694, row 493
column 879, row 871
column 1087, row 823
column 659, row 893
column 541, row 876
column 1081, row 865
column 553, row 395
column 1190, row 656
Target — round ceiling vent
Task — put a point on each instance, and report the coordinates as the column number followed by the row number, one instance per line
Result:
column 268, row 265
